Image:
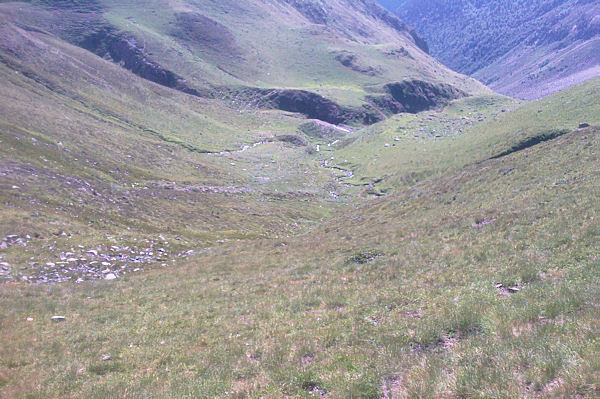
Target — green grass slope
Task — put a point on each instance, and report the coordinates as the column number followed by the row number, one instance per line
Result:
column 476, row 278
column 104, row 161
column 343, row 50
column 90, row 151
column 201, row 247
column 408, row 148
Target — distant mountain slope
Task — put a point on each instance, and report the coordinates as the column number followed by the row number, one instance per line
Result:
column 197, row 120
column 527, row 49
column 340, row 53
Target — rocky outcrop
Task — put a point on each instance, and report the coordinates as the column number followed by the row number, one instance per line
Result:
column 351, row 61
column 315, row 106
column 123, row 49
column 415, row 96
column 409, row 96
column 304, row 102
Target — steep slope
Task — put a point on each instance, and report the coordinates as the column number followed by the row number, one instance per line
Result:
column 106, row 132
column 482, row 282
column 91, row 152
column 526, row 49
column 343, row 51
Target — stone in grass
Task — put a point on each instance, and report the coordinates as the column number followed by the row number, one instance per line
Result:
column 58, row 319
column 106, row 358
column 110, row 276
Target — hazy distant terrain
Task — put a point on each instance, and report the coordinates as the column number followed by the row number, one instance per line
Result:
column 526, row 49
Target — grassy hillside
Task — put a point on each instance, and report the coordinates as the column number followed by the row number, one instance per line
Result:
column 477, row 280
column 169, row 231
column 105, row 153
column 342, row 50
column 409, row 148
column 99, row 149
column 527, row 49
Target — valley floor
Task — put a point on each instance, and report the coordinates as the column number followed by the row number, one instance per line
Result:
column 480, row 283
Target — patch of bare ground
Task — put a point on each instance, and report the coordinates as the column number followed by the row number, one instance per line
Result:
column 392, row 387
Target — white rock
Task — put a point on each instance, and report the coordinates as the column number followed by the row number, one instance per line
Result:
column 110, row 276
column 58, row 318
column 29, row 319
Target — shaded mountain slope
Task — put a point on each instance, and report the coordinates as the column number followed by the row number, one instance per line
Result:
column 527, row 49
